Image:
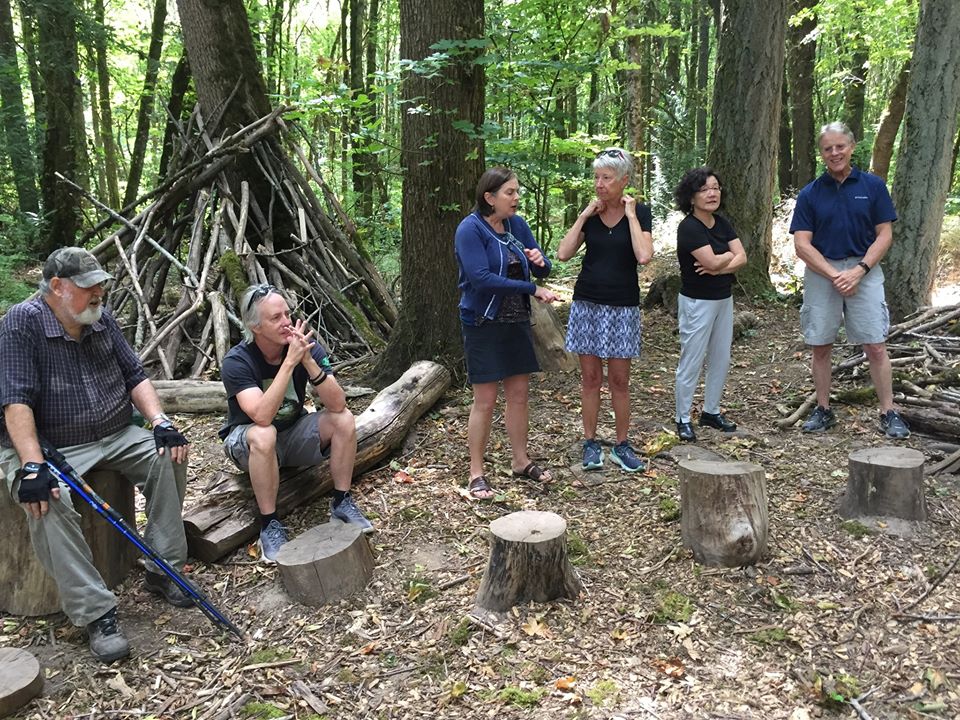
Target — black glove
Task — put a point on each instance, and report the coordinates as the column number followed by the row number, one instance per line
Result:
column 36, row 488
column 166, row 435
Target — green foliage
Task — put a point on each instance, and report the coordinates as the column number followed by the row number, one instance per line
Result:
column 769, row 636
column 460, row 635
column 261, row 711
column 419, row 589
column 672, row 607
column 604, row 692
column 857, row 529
column 521, row 698
column 268, row 655
column 12, row 288
column 577, row 549
column 669, row 509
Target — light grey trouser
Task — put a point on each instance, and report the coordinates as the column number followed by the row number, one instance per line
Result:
column 58, row 540
column 706, row 331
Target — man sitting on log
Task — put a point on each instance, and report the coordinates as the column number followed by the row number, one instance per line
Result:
column 68, row 375
column 267, row 428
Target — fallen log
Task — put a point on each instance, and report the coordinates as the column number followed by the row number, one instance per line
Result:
column 548, row 339
column 225, row 516
column 932, row 422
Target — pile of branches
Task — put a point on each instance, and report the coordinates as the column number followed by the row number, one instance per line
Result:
column 183, row 254
column 925, row 356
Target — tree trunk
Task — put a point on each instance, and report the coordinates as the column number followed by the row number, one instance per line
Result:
column 110, row 165
column 14, row 117
column 801, row 58
column 145, row 111
column 441, row 166
column 785, row 156
column 923, row 164
column 361, row 176
column 703, row 78
column 749, row 74
column 179, row 85
column 890, row 125
column 57, row 50
column 855, row 93
column 29, row 32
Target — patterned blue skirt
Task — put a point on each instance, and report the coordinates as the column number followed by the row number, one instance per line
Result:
column 606, row 331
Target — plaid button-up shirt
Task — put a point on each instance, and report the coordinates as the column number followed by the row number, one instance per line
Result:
column 79, row 390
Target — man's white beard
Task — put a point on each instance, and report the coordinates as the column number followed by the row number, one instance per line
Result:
column 89, row 316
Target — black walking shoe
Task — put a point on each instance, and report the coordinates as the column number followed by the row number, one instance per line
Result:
column 685, row 432
column 820, row 419
column 717, row 421
column 171, row 592
column 107, row 642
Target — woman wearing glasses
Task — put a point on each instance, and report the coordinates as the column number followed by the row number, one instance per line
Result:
column 709, row 253
column 497, row 255
column 604, row 319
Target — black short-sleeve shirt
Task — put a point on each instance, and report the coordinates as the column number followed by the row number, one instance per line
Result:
column 693, row 234
column 608, row 275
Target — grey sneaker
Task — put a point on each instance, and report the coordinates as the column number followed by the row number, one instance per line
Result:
column 349, row 512
column 592, row 455
column 820, row 419
column 624, row 456
column 107, row 642
column 272, row 538
column 893, row 425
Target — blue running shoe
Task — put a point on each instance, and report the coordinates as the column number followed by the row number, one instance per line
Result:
column 592, row 455
column 624, row 456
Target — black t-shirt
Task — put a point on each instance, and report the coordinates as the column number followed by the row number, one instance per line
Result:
column 693, row 234
column 245, row 367
column 608, row 275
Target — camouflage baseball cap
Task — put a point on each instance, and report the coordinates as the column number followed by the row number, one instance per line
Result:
column 77, row 265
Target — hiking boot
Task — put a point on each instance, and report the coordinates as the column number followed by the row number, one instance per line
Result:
column 685, row 432
column 160, row 584
column 592, row 455
column 348, row 511
column 717, row 421
column 272, row 538
column 624, row 456
column 820, row 419
column 893, row 425
column 107, row 642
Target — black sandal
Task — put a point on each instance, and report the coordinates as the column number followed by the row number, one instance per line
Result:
column 533, row 472
column 482, row 485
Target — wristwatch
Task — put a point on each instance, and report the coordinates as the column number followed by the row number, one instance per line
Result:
column 866, row 268
column 31, row 468
column 162, row 417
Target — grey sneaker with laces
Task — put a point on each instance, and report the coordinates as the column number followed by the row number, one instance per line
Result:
column 107, row 642
column 893, row 425
column 348, row 511
column 272, row 538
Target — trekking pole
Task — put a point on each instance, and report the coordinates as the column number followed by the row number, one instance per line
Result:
column 65, row 473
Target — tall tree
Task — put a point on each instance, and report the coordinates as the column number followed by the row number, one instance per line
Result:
column 110, row 165
column 145, row 110
column 57, row 55
column 743, row 145
column 801, row 58
column 890, row 124
column 14, row 117
column 703, row 64
column 924, row 161
column 441, row 166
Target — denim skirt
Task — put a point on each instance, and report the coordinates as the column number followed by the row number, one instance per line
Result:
column 497, row 350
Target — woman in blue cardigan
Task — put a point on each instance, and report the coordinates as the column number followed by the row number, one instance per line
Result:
column 497, row 254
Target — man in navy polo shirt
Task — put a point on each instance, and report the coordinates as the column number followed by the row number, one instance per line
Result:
column 842, row 227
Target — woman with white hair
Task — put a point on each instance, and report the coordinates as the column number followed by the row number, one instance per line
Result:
column 604, row 319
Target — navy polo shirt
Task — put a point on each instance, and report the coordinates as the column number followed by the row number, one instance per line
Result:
column 843, row 217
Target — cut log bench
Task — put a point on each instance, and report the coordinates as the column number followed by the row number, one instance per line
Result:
column 20, row 679
column 326, row 563
column 226, row 516
column 528, row 562
column 25, row 587
column 723, row 511
column 885, row 481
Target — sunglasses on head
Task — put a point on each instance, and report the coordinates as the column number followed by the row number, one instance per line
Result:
column 261, row 292
column 611, row 153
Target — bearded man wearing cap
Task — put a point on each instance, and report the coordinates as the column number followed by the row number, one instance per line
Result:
column 68, row 375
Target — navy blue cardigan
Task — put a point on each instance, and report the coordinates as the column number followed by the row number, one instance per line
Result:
column 482, row 256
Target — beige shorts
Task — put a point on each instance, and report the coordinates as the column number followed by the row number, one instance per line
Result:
column 864, row 315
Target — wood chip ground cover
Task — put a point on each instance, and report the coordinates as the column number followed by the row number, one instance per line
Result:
column 812, row 627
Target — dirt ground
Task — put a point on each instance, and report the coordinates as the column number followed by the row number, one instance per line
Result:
column 824, row 619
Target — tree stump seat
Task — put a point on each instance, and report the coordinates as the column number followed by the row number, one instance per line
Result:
column 25, row 587
column 723, row 511
column 528, row 562
column 885, row 481
column 20, row 679
column 326, row 563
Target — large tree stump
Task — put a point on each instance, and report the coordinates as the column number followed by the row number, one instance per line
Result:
column 528, row 562
column 20, row 679
column 885, row 481
column 25, row 587
column 723, row 508
column 225, row 516
column 326, row 563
